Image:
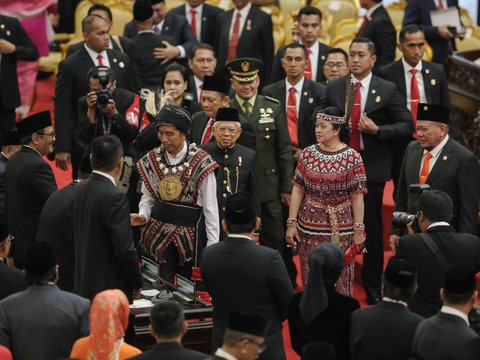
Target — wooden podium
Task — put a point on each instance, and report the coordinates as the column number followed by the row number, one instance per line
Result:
column 464, row 80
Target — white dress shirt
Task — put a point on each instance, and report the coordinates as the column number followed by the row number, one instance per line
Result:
column 298, row 93
column 109, row 177
column 451, row 311
column 438, row 223
column 93, row 55
column 372, row 9
column 198, row 87
column 363, row 98
column 314, row 51
column 38, row 152
column 243, row 18
column 198, row 17
column 435, row 153
column 390, row 300
column 223, row 354
column 408, row 82
column 207, row 199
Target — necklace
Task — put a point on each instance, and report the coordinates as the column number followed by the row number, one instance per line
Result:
column 167, row 168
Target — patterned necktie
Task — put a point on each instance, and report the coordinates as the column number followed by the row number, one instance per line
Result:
column 308, row 69
column 232, row 46
column 193, row 23
column 414, row 99
column 355, row 118
column 156, row 30
column 247, row 107
column 292, row 121
column 425, row 168
column 100, row 60
column 208, row 132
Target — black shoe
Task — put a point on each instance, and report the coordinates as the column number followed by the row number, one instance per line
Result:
column 373, row 300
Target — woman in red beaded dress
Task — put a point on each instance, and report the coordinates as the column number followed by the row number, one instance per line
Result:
column 327, row 197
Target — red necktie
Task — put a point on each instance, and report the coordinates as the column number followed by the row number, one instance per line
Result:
column 308, row 69
column 355, row 118
column 425, row 168
column 364, row 22
column 292, row 121
column 440, row 5
column 193, row 23
column 208, row 132
column 232, row 46
column 414, row 99
column 100, row 60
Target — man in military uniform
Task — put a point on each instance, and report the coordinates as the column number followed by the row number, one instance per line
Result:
column 274, row 164
column 236, row 172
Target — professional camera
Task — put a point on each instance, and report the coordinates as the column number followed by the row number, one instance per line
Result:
column 104, row 94
column 401, row 219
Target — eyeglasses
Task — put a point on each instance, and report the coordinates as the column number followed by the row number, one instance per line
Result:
column 52, row 134
column 331, row 65
column 261, row 347
column 227, row 130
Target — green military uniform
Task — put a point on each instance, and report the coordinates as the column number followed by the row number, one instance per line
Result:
column 274, row 163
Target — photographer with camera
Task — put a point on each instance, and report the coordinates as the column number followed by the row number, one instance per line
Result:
column 433, row 248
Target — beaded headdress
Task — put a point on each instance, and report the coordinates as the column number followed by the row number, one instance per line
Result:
column 331, row 118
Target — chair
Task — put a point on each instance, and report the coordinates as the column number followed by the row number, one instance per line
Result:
column 466, row 18
column 339, row 9
column 289, row 23
column 277, row 21
column 348, row 26
column 343, row 41
column 469, row 43
column 396, row 11
column 122, row 11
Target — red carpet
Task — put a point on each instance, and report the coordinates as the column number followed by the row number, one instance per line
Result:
column 44, row 101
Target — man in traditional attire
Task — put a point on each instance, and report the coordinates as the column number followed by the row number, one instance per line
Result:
column 179, row 202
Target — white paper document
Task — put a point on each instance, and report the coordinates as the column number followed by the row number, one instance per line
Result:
column 448, row 17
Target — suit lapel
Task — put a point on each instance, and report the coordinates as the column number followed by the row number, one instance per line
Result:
column 320, row 62
column 427, row 80
column 203, row 19
column 416, row 160
column 305, row 98
column 400, row 75
column 280, row 93
column 373, row 94
column 226, row 29
column 443, row 159
column 248, row 23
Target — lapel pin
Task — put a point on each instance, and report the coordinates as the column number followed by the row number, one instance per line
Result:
column 204, row 19
column 433, row 82
column 7, row 32
column 425, row 108
column 323, row 57
column 310, row 100
column 114, row 60
column 445, row 157
column 121, row 64
column 305, row 93
column 374, row 91
column 249, row 25
column 378, row 99
column 427, row 71
column 2, row 26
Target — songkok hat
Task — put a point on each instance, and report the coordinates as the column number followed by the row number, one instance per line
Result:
column 142, row 10
column 34, row 123
column 331, row 114
column 216, row 83
column 431, row 112
column 459, row 279
column 39, row 258
column 239, row 209
column 12, row 138
column 400, row 273
column 227, row 114
column 246, row 323
column 153, row 2
column 174, row 115
column 244, row 69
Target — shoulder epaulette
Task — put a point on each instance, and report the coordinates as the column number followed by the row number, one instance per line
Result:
column 272, row 99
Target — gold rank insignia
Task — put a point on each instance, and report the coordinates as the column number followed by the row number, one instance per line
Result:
column 245, row 66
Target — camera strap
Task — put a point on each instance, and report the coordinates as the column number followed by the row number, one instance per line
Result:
column 434, row 249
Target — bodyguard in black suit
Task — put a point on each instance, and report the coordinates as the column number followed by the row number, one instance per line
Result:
column 378, row 27
column 14, row 45
column 245, row 277
column 12, row 279
column 105, row 257
column 452, row 168
column 205, row 16
column 171, row 25
column 429, row 78
column 382, row 118
column 202, row 62
column 439, row 38
column 447, row 335
column 255, row 37
column 385, row 330
column 72, row 83
column 434, row 212
column 309, row 28
column 30, row 181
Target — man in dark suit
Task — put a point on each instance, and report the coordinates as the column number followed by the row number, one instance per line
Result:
column 442, row 163
column 440, row 38
column 419, row 81
column 215, row 91
column 14, row 45
column 201, row 18
column 167, row 24
column 30, row 181
column 378, row 27
column 168, row 326
column 10, row 146
column 244, row 338
column 105, row 257
column 72, row 83
column 447, row 335
column 244, row 31
column 42, row 322
column 434, row 213
column 274, row 151
column 336, row 64
column 202, row 62
column 236, row 171
column 385, row 330
column 377, row 115
column 119, row 43
column 244, row 277
column 12, row 279
column 309, row 28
